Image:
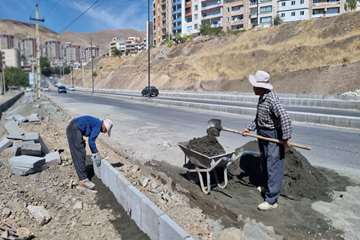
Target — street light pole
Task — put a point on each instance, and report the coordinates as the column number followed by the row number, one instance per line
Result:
column 149, row 46
column 92, row 66
column 37, row 20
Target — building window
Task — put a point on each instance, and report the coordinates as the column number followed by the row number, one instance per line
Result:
column 236, row 8
column 266, row 9
column 283, row 4
column 333, row 10
column 266, row 20
column 264, row 1
column 282, row 15
column 196, row 26
column 302, row 13
column 196, row 7
column 293, row 2
column 302, row 1
column 293, row 14
column 196, row 16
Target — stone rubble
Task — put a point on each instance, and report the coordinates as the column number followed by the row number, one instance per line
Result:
column 40, row 214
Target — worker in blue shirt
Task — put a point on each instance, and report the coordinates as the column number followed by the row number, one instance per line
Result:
column 90, row 127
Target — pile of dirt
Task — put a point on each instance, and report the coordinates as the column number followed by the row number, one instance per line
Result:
column 207, row 145
column 301, row 179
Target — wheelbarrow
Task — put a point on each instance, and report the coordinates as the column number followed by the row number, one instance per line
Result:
column 200, row 163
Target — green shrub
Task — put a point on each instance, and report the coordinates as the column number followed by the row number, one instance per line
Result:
column 16, row 77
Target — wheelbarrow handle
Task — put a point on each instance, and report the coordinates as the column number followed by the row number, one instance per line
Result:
column 267, row 139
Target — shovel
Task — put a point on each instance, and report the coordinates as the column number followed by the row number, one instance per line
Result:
column 215, row 127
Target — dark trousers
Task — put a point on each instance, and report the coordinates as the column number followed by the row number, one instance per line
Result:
column 77, row 149
column 272, row 155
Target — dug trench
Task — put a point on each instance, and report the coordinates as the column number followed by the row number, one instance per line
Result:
column 75, row 213
column 303, row 185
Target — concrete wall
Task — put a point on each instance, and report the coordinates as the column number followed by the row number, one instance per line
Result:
column 7, row 104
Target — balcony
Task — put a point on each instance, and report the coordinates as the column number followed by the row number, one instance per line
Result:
column 210, row 4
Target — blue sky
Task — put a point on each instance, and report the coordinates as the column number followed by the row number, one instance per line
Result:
column 59, row 13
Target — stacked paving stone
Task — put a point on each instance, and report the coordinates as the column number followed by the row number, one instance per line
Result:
column 30, row 153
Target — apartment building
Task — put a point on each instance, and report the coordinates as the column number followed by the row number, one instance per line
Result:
column 212, row 12
column 11, row 57
column 294, row 10
column 163, row 22
column 236, row 15
column 327, row 8
column 6, row 41
column 53, row 51
column 94, row 50
column 72, row 53
column 27, row 50
column 114, row 45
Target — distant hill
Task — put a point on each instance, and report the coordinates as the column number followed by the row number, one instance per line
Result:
column 318, row 56
column 101, row 38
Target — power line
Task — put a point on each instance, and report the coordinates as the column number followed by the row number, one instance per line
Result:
column 81, row 14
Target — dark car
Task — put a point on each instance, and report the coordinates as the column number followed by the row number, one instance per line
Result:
column 152, row 91
column 62, row 89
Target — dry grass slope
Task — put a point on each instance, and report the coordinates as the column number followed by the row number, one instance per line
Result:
column 319, row 56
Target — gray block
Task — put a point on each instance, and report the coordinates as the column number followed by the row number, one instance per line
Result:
column 31, row 136
column 120, row 192
column 53, row 158
column 33, row 117
column 19, row 118
column 150, row 218
column 5, row 143
column 12, row 128
column 30, row 148
column 171, row 230
column 105, row 172
column 97, row 170
column 134, row 207
column 44, row 147
column 24, row 165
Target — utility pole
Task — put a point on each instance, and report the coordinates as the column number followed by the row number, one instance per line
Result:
column 92, row 66
column 37, row 21
column 72, row 75
column 2, row 76
column 149, row 46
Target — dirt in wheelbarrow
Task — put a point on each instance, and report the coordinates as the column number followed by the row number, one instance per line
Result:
column 207, row 145
column 237, row 203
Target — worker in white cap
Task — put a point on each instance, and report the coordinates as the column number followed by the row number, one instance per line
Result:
column 90, row 127
column 271, row 121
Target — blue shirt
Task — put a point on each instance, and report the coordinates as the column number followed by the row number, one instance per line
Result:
column 89, row 127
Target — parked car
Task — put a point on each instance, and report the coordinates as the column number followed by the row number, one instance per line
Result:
column 153, row 91
column 62, row 89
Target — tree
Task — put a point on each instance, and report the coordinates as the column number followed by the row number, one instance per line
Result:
column 16, row 77
column 277, row 20
column 115, row 52
column 45, row 66
column 350, row 5
column 206, row 29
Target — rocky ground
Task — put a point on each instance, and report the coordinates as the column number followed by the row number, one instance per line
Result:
column 76, row 213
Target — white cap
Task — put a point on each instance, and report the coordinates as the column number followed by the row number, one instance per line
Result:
column 261, row 79
column 108, row 125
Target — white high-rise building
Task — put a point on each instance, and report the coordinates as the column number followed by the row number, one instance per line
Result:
column 293, row 10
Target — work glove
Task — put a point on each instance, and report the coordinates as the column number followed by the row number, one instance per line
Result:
column 96, row 157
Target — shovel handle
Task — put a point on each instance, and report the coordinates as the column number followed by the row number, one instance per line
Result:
column 267, row 139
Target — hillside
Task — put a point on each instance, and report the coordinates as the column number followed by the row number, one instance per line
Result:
column 319, row 56
column 101, row 38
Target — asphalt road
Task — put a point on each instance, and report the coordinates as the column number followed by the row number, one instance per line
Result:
column 306, row 109
column 152, row 132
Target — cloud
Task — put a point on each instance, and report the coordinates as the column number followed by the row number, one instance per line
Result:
column 128, row 14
